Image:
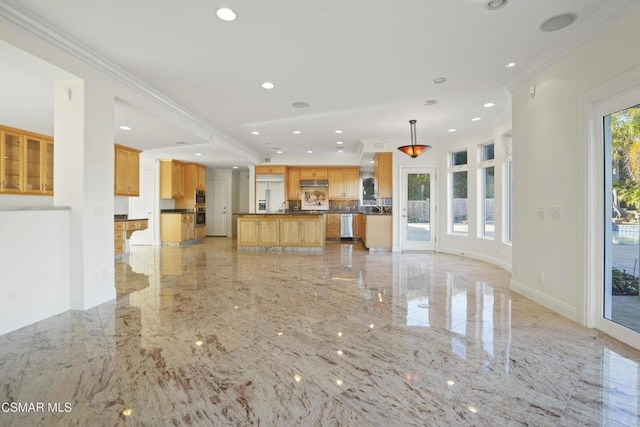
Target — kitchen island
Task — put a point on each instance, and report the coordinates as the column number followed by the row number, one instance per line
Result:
column 290, row 231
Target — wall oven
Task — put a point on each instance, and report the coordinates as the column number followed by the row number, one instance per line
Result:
column 201, row 217
column 200, row 198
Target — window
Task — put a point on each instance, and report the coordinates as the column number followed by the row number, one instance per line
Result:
column 368, row 191
column 458, row 207
column 488, row 191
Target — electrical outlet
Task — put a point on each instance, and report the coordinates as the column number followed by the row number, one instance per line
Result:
column 556, row 211
column 540, row 211
column 541, row 278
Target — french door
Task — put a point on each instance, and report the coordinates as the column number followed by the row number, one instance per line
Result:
column 618, row 300
column 417, row 209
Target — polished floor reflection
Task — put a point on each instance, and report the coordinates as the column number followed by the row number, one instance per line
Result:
column 205, row 335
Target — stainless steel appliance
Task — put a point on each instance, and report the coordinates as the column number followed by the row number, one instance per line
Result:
column 346, row 226
column 200, row 197
column 201, row 217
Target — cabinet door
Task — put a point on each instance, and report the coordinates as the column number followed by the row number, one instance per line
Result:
column 11, row 162
column 47, row 167
column 294, row 184
column 350, row 181
column 133, row 173
column 333, row 226
column 290, row 231
column 269, row 232
column 247, row 232
column 311, row 232
column 336, row 189
column 177, row 180
column 357, row 226
column 382, row 174
column 33, row 165
column 201, row 177
column 121, row 159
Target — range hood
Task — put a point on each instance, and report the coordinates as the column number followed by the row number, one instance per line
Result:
column 314, row 183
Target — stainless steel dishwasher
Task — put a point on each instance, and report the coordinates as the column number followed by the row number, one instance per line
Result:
column 346, row 226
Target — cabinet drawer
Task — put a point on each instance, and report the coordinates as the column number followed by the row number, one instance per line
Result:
column 119, row 226
column 142, row 224
column 131, row 225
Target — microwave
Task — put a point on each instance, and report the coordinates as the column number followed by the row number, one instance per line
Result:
column 200, row 197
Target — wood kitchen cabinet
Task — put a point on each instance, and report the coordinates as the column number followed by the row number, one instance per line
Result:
column 194, row 178
column 377, row 232
column 343, row 183
column 333, row 226
column 176, row 228
column 271, row 169
column 26, row 162
column 172, row 179
column 293, row 184
column 301, row 231
column 314, row 173
column 258, row 230
column 127, row 171
column 357, row 226
column 382, row 173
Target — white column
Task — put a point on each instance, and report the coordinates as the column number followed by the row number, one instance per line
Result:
column 83, row 176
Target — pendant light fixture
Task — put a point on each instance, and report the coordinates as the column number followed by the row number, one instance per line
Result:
column 414, row 150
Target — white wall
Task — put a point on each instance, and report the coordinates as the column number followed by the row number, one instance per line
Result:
column 34, row 260
column 550, row 151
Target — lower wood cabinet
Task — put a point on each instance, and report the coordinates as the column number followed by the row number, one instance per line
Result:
column 281, row 230
column 333, row 226
column 200, row 232
column 122, row 231
column 301, row 231
column 177, row 227
column 377, row 231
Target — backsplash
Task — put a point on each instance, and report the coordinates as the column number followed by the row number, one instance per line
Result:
column 341, row 205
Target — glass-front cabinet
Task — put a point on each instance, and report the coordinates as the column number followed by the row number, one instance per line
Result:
column 26, row 162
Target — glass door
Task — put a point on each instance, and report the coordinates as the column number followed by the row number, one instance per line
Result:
column 11, row 161
column 621, row 298
column 417, row 218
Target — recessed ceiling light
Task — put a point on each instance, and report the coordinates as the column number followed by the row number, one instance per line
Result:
column 341, row 151
column 339, row 142
column 309, row 151
column 429, row 102
column 489, row 105
column 181, row 143
column 255, row 132
column 452, row 130
column 226, row 14
column 279, row 152
column 198, row 154
column 300, row 104
column 372, row 161
column 296, row 132
column 268, row 85
column 476, row 119
column 338, row 131
column 125, row 127
column 496, row 4
column 439, row 80
column 510, row 65
column 558, row 22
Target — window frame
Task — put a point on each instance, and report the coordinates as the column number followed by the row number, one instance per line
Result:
column 453, row 169
column 484, row 165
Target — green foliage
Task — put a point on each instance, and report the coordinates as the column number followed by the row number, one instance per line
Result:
column 625, row 153
column 623, row 283
column 419, row 186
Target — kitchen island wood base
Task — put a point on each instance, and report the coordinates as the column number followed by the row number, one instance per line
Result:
column 300, row 232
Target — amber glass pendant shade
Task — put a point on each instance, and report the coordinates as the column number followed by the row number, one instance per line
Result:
column 414, row 150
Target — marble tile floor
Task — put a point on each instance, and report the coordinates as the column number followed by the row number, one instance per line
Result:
column 206, row 336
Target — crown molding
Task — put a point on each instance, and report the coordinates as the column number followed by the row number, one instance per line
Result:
column 585, row 30
column 63, row 41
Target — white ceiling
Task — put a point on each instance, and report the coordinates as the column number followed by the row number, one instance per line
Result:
column 364, row 66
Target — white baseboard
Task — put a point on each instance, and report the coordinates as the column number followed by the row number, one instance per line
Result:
column 553, row 304
column 480, row 257
column 9, row 324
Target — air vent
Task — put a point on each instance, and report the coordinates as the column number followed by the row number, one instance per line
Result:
column 267, row 160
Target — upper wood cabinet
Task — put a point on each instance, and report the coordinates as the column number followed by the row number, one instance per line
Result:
column 343, row 183
column 293, row 184
column 194, row 177
column 172, row 173
column 383, row 175
column 127, row 171
column 26, row 162
column 270, row 169
column 314, row 173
